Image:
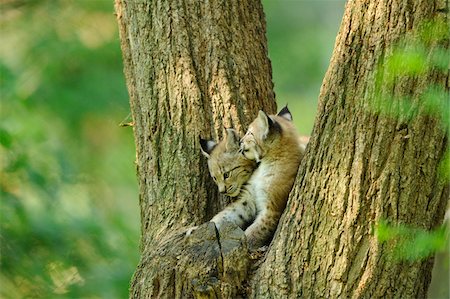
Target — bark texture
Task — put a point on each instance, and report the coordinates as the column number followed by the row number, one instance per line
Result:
column 374, row 154
column 192, row 67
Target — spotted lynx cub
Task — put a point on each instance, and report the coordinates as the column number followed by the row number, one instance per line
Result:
column 230, row 171
column 262, row 199
column 272, row 141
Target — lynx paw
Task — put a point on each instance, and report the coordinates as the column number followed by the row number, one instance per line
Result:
column 255, row 241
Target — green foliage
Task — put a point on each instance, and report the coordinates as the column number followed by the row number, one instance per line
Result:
column 406, row 62
column 444, row 167
column 420, row 54
column 420, row 51
column 412, row 244
column 67, row 185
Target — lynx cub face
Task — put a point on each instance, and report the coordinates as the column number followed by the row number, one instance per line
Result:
column 257, row 140
column 229, row 169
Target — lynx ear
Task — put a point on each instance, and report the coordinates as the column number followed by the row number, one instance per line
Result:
column 265, row 123
column 232, row 139
column 285, row 113
column 207, row 146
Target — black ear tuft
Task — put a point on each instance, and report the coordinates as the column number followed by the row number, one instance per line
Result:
column 285, row 113
column 274, row 126
column 270, row 122
column 207, row 146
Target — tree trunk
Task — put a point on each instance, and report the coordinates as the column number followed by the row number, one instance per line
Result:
column 374, row 154
column 191, row 69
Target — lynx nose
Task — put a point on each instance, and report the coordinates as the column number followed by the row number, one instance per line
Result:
column 222, row 188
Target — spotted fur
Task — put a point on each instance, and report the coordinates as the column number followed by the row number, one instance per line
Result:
column 262, row 192
column 229, row 169
column 272, row 141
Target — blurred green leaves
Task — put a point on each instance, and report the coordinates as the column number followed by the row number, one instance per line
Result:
column 406, row 62
column 420, row 51
column 67, row 181
column 400, row 91
column 444, row 167
column 408, row 89
column 411, row 244
column 420, row 54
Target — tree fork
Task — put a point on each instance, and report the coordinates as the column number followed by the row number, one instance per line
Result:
column 191, row 69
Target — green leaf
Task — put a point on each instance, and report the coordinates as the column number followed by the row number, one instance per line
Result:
column 5, row 138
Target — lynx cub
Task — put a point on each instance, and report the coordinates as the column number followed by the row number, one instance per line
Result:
column 230, row 171
column 274, row 143
column 263, row 198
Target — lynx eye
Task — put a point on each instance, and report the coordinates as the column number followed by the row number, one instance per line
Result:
column 226, row 175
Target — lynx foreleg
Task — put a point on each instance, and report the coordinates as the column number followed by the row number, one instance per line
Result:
column 262, row 229
column 240, row 212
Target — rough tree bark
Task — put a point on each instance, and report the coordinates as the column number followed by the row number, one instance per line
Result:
column 363, row 166
column 193, row 67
